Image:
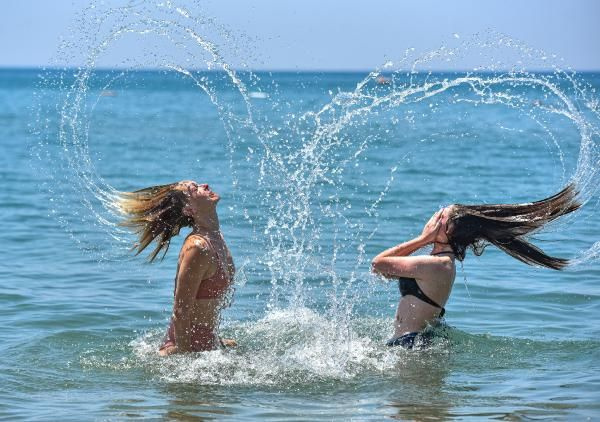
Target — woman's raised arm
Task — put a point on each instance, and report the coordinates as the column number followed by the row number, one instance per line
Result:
column 390, row 262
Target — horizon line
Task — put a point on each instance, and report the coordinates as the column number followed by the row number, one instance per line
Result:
column 290, row 70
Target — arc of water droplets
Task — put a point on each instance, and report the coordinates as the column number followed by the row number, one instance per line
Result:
column 309, row 170
column 74, row 138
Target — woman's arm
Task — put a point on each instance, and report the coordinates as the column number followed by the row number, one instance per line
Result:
column 403, row 249
column 194, row 265
column 424, row 267
column 396, row 262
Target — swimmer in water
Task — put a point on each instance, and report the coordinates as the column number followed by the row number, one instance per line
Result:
column 426, row 281
column 205, row 268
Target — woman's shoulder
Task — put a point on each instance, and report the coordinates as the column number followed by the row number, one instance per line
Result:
column 196, row 244
column 432, row 267
column 443, row 262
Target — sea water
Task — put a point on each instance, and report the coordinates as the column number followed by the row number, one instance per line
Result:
column 318, row 172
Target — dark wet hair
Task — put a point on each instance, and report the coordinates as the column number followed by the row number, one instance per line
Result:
column 153, row 213
column 507, row 225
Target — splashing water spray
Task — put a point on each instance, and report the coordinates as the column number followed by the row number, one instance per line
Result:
column 317, row 210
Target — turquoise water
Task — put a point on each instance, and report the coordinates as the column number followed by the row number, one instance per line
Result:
column 318, row 172
column 82, row 319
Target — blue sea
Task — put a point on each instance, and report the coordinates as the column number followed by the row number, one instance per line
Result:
column 318, row 172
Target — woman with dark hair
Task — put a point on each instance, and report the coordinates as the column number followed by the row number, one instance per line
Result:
column 205, row 268
column 426, row 281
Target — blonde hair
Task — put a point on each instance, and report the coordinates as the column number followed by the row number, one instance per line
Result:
column 154, row 213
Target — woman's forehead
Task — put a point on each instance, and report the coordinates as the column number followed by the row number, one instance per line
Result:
column 184, row 184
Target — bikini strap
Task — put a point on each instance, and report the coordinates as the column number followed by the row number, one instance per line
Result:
column 422, row 296
column 442, row 252
column 416, row 291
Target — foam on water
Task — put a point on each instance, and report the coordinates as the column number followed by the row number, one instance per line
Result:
column 306, row 166
column 291, row 349
column 285, row 348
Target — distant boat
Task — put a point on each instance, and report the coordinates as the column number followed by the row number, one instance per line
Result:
column 108, row 93
column 258, row 94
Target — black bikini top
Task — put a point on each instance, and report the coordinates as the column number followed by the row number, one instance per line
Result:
column 409, row 286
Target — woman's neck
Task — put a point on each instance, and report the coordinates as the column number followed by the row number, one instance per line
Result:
column 441, row 247
column 207, row 222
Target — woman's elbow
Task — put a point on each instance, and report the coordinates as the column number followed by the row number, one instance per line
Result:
column 375, row 263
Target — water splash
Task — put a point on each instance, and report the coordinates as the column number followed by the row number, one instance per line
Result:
column 74, row 183
column 311, row 209
column 285, row 348
column 292, row 349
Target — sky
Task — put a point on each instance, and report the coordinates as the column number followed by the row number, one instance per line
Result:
column 336, row 35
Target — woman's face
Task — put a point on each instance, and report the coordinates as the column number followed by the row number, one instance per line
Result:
column 198, row 196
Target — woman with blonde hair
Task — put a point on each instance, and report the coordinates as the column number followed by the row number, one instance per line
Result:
column 205, row 268
column 426, row 281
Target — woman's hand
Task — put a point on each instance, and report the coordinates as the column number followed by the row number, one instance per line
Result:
column 169, row 350
column 228, row 342
column 431, row 228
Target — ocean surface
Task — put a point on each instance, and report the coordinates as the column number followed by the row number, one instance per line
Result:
column 318, row 172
